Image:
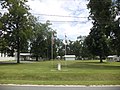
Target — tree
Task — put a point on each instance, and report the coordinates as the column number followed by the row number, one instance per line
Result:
column 60, row 47
column 3, row 45
column 100, row 13
column 69, row 47
column 83, row 50
column 97, row 43
column 115, row 32
column 77, row 49
column 3, row 41
column 41, row 41
column 16, row 23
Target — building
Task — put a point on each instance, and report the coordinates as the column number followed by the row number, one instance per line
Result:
column 69, row 57
column 5, row 57
column 25, row 56
column 113, row 58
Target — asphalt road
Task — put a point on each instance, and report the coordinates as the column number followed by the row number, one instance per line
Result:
column 9, row 87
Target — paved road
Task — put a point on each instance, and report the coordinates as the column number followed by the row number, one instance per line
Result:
column 7, row 87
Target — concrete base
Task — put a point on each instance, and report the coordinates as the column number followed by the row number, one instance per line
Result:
column 59, row 66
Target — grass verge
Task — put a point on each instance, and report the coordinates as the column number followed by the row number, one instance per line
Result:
column 72, row 73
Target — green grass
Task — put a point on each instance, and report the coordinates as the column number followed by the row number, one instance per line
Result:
column 72, row 73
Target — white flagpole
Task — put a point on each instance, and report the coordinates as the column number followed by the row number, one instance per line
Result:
column 65, row 50
column 65, row 43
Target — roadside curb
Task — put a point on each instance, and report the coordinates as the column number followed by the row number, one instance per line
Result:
column 25, row 85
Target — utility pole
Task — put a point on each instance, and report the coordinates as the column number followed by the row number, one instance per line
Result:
column 52, row 42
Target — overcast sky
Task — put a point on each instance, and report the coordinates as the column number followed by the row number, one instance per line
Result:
column 67, row 16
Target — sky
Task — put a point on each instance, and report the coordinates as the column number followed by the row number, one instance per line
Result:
column 67, row 16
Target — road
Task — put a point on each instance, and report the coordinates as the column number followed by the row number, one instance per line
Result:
column 18, row 87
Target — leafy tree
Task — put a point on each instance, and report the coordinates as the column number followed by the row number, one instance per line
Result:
column 16, row 24
column 83, row 50
column 100, row 13
column 41, row 41
column 77, row 48
column 3, row 42
column 115, row 32
column 3, row 45
column 60, row 47
column 97, row 43
column 69, row 47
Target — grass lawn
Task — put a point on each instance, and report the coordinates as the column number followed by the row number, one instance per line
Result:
column 72, row 73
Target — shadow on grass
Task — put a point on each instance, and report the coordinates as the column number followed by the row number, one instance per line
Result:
column 7, row 63
column 94, row 65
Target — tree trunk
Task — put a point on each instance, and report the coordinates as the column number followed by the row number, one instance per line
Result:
column 18, row 50
column 36, row 58
column 12, row 53
column 101, row 59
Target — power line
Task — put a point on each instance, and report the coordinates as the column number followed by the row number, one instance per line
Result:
column 64, row 21
column 57, row 15
column 50, row 15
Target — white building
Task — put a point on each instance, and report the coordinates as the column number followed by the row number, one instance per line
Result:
column 113, row 58
column 5, row 57
column 69, row 57
column 25, row 56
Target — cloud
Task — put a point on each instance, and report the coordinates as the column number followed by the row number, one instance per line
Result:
column 76, row 8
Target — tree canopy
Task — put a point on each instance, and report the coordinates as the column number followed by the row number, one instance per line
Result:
column 105, row 30
column 16, row 23
column 100, row 13
column 41, row 40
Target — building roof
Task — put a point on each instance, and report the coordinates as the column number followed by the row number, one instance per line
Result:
column 25, row 54
column 112, row 56
column 70, row 56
